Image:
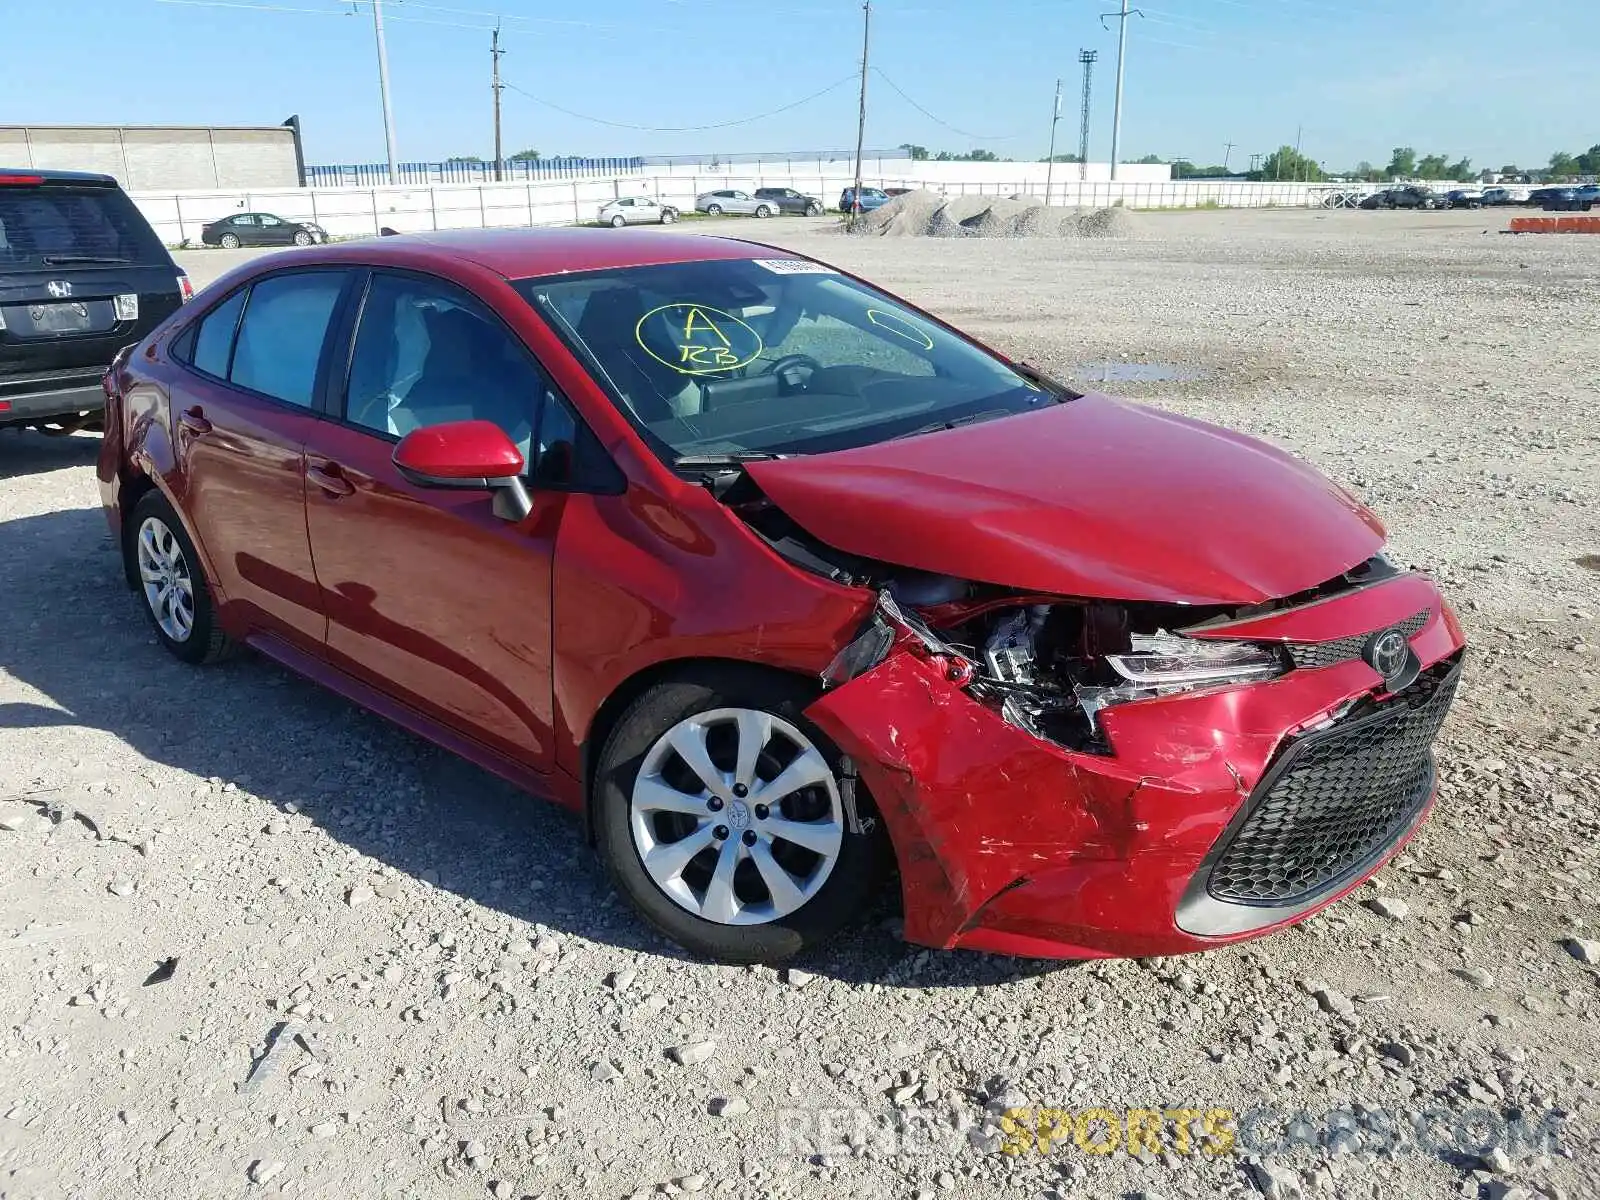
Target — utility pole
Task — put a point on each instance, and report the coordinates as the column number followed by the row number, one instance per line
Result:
column 1122, row 55
column 1299, row 131
column 1050, row 162
column 861, row 120
column 1227, row 153
column 1086, row 57
column 383, row 87
column 494, row 54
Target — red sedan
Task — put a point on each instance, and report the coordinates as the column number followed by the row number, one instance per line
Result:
column 781, row 583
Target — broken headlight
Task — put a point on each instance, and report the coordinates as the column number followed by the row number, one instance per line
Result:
column 1162, row 664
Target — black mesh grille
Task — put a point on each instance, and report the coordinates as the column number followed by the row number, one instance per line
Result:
column 1336, row 798
column 1325, row 654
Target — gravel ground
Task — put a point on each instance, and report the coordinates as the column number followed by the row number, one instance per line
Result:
column 395, row 977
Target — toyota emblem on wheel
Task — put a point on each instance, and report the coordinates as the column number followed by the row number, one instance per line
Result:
column 1388, row 653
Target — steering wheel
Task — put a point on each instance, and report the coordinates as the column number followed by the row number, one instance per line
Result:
column 785, row 367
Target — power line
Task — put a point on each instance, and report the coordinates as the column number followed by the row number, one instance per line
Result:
column 412, row 5
column 834, row 86
column 352, row 11
column 977, row 137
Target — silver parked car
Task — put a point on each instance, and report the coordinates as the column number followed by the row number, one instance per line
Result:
column 731, row 200
column 636, row 210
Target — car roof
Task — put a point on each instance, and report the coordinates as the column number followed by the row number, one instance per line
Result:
column 525, row 253
column 89, row 177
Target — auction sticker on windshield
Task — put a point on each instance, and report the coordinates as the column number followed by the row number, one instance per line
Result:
column 793, row 266
column 696, row 339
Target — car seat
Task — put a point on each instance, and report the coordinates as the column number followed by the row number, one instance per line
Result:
column 652, row 389
column 469, row 372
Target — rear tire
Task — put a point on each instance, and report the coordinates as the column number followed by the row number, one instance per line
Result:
column 229, row 241
column 171, row 583
column 618, row 222
column 713, row 210
column 647, row 799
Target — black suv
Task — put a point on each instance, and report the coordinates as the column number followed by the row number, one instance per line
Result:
column 82, row 275
column 790, row 201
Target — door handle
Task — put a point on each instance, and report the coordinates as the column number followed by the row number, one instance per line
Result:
column 194, row 420
column 330, row 478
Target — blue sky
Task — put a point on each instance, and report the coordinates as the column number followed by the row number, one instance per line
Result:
column 1498, row 80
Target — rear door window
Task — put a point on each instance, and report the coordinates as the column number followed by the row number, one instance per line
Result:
column 280, row 338
column 53, row 225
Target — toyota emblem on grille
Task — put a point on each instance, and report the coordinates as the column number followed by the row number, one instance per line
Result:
column 59, row 288
column 1388, row 653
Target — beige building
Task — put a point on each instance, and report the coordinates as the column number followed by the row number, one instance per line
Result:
column 163, row 157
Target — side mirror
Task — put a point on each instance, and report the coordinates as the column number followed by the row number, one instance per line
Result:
column 467, row 454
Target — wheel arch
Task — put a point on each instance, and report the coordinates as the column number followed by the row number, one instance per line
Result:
column 134, row 487
column 630, row 689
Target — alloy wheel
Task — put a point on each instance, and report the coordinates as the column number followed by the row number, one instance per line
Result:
column 164, row 574
column 736, row 816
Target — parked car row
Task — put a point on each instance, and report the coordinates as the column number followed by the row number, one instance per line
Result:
column 1408, row 195
column 763, row 202
column 1551, row 199
column 1566, row 199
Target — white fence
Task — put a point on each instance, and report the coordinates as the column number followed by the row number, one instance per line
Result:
column 359, row 212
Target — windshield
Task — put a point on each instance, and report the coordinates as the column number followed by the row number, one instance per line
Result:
column 43, row 226
column 780, row 356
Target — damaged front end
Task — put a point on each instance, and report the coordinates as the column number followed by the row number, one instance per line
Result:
column 1076, row 777
column 1051, row 666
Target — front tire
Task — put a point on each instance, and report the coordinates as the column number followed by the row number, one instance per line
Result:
column 813, row 210
column 719, row 813
column 172, row 584
column 302, row 238
column 668, row 216
column 763, row 211
column 229, row 241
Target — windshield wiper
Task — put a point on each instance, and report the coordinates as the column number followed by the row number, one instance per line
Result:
column 951, row 423
column 1033, row 375
column 732, row 458
column 61, row 260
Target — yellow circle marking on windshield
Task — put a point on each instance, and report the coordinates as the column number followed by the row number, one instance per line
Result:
column 704, row 340
column 900, row 327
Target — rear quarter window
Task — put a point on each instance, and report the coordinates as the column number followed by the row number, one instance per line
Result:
column 213, row 340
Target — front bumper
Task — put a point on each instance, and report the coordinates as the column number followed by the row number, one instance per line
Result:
column 1012, row 844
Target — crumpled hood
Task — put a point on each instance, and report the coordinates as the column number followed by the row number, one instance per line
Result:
column 1096, row 497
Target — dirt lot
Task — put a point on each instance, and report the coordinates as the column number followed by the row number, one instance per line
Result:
column 472, row 1014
